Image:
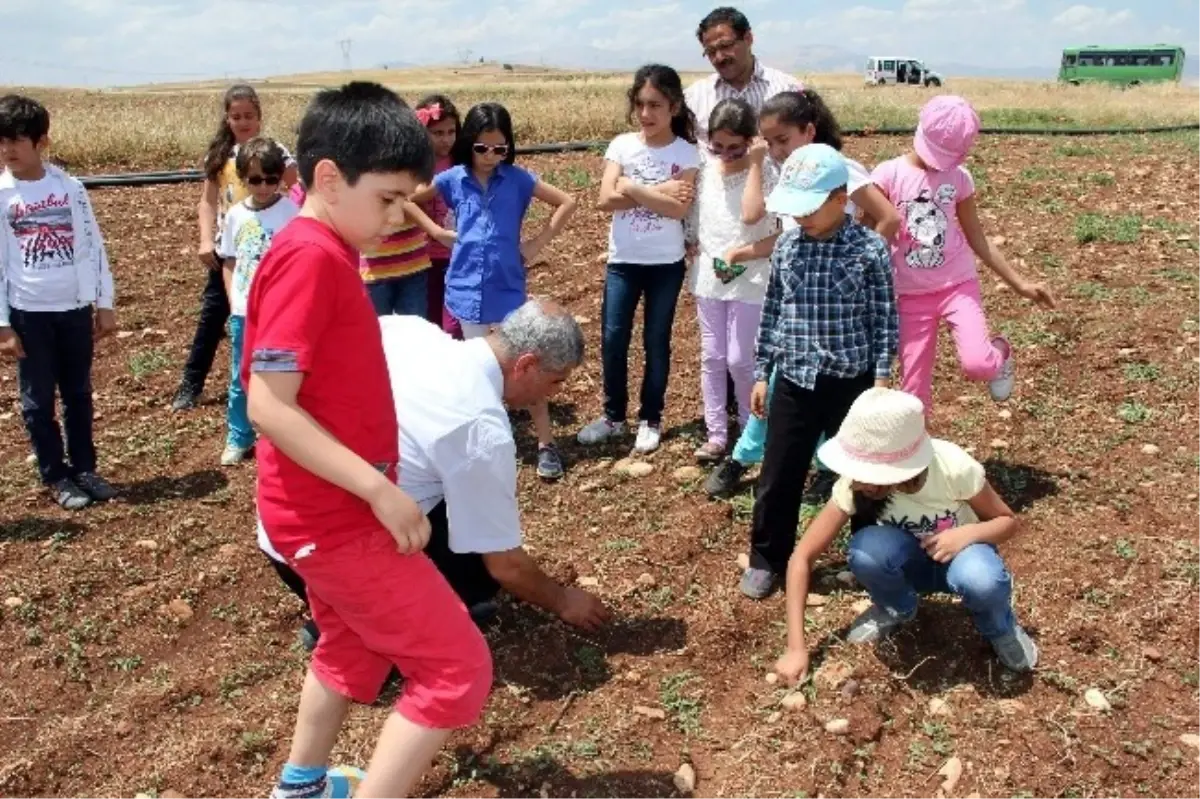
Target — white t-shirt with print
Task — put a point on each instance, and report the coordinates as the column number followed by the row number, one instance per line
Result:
column 44, row 279
column 953, row 479
column 718, row 227
column 859, row 177
column 640, row 236
column 245, row 238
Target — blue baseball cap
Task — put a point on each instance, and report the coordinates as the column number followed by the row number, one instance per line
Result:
column 809, row 175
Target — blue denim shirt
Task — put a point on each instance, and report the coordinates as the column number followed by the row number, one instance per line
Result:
column 486, row 278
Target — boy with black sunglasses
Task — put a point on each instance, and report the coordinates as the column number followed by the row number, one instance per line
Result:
column 249, row 227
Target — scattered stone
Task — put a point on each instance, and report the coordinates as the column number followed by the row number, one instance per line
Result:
column 179, row 610
column 147, row 543
column 228, row 551
column 999, row 443
column 833, row 674
column 772, row 678
column 631, row 468
column 1096, row 699
column 688, row 474
column 794, row 701
column 124, row 333
column 633, row 676
column 816, row 600
column 862, row 605
column 4, row 417
column 743, row 561
column 650, row 712
column 1190, row 739
column 1152, row 654
column 837, row 726
column 1150, row 449
column 582, row 320
column 774, row 717
column 123, row 728
column 1125, row 352
column 685, row 778
column 1010, row 707
column 13, row 602
column 646, row 580
column 966, row 399
column 998, row 241
column 846, row 578
column 591, row 485
column 169, row 794
column 588, row 582
column 31, row 458
column 1005, row 414
column 850, row 689
column 939, row 707
column 952, row 770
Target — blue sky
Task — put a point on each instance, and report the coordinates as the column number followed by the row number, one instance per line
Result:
column 106, row 42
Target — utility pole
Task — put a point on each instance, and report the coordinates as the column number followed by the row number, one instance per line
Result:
column 345, row 44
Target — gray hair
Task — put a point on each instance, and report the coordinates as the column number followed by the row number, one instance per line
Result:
column 544, row 329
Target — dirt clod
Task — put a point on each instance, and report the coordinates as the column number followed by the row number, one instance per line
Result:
column 179, row 610
column 837, row 726
column 650, row 712
column 1096, row 699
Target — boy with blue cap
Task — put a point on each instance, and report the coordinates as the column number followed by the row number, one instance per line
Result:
column 828, row 330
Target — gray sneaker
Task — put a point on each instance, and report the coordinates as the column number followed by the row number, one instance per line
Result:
column 725, row 479
column 549, row 463
column 599, row 431
column 69, row 496
column 1016, row 650
column 95, row 486
column 875, row 624
column 758, row 583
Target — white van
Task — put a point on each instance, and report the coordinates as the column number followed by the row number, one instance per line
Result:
column 882, row 70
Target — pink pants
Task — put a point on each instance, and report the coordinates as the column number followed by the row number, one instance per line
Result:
column 962, row 309
column 727, row 331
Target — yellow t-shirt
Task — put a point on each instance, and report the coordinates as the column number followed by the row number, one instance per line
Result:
column 954, row 477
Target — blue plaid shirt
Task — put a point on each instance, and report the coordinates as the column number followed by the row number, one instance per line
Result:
column 830, row 307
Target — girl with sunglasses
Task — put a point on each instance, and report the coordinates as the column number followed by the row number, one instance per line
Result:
column 648, row 185
column 728, row 284
column 489, row 195
column 241, row 120
column 247, row 232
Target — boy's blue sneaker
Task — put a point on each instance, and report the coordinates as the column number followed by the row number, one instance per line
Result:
column 339, row 782
column 1016, row 650
column 69, row 496
column 758, row 583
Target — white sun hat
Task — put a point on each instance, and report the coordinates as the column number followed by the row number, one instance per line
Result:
column 882, row 441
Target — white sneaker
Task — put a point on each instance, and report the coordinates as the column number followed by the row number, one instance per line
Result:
column 1001, row 386
column 648, row 438
column 233, row 454
column 599, row 431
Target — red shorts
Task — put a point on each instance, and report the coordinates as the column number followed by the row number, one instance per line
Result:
column 377, row 608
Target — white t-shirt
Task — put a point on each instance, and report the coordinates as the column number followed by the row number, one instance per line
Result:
column 859, row 177
column 39, row 214
column 246, row 236
column 640, row 236
column 943, row 502
column 718, row 227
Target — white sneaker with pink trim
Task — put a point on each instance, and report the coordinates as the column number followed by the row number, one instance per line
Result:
column 1001, row 386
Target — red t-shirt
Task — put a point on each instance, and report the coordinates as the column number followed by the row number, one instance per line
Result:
column 308, row 312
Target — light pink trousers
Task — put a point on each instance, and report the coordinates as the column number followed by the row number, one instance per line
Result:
column 727, row 331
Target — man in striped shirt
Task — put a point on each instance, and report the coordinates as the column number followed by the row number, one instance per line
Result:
column 727, row 40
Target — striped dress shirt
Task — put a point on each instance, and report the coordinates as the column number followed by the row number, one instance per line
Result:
column 703, row 95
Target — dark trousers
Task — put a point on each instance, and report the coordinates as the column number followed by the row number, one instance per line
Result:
column 403, row 296
column 436, row 312
column 624, row 286
column 210, row 329
column 796, row 418
column 58, row 356
column 466, row 573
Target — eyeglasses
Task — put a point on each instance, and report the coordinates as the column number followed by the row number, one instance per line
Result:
column 720, row 47
column 258, row 180
column 728, row 153
column 480, row 148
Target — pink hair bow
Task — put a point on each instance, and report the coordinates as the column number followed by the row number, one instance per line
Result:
column 431, row 114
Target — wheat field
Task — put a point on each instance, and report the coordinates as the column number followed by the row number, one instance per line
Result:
column 167, row 126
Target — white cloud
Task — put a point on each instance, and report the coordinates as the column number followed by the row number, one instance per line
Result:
column 1081, row 18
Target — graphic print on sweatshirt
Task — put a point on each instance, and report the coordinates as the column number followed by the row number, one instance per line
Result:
column 647, row 171
column 44, row 231
column 925, row 224
column 926, row 526
column 252, row 242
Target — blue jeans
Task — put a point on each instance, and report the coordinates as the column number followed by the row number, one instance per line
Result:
column 752, row 442
column 891, row 565
column 237, row 416
column 58, row 355
column 403, row 296
column 624, row 286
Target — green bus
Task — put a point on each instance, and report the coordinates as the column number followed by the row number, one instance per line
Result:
column 1127, row 66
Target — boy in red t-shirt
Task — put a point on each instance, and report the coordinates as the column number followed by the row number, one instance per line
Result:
column 320, row 396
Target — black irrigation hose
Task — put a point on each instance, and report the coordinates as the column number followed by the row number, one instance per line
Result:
column 195, row 175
